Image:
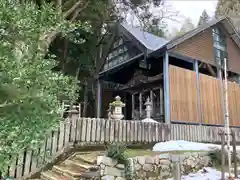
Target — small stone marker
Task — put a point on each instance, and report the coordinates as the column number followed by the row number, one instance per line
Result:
column 176, row 162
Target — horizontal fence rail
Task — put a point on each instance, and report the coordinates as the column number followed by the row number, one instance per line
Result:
column 91, row 130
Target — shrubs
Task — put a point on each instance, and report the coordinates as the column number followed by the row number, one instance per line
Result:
column 117, row 151
column 216, row 157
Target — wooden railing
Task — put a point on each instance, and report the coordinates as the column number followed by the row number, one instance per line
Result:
column 87, row 130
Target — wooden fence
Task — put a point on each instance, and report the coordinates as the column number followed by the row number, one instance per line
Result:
column 87, row 130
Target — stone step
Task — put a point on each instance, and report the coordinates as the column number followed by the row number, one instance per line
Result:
column 87, row 159
column 90, row 174
column 69, row 170
column 51, row 175
column 81, row 164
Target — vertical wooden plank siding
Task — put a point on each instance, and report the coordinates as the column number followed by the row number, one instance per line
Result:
column 183, row 95
column 210, row 94
column 234, row 103
column 184, row 98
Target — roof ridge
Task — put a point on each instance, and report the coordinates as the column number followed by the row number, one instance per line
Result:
column 147, row 39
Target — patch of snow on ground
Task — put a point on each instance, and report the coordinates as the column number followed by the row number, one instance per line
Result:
column 184, row 146
column 149, row 120
column 209, row 174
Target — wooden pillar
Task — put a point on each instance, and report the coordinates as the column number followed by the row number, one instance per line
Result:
column 99, row 99
column 133, row 105
column 198, row 90
column 166, row 89
column 151, row 100
column 125, row 108
column 140, row 105
column 161, row 99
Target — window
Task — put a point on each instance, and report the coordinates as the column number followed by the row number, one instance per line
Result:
column 220, row 46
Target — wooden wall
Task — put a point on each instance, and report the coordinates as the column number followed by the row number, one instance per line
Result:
column 211, row 100
column 184, row 98
column 183, row 95
column 234, row 103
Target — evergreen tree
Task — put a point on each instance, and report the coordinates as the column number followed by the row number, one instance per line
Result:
column 187, row 26
column 227, row 8
column 230, row 8
column 204, row 18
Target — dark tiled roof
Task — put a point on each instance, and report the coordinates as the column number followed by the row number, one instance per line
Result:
column 157, row 44
column 149, row 40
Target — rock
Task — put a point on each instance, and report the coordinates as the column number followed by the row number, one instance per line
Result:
column 156, row 159
column 120, row 178
column 175, row 158
column 141, row 160
column 164, row 175
column 147, row 167
column 106, row 160
column 206, row 160
column 137, row 166
column 165, row 162
column 113, row 171
column 102, row 166
column 134, row 160
column 164, row 156
column 165, row 168
column 120, row 166
column 191, row 162
column 102, row 172
column 204, row 171
column 107, row 177
column 149, row 160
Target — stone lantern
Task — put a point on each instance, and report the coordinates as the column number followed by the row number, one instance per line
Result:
column 117, row 107
column 148, row 110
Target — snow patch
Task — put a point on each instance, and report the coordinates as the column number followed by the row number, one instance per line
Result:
column 184, row 146
column 204, row 174
column 149, row 120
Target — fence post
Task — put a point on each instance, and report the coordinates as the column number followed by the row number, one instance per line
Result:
column 177, row 167
column 222, row 134
column 234, row 154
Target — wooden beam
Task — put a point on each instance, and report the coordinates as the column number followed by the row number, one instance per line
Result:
column 181, row 56
column 211, row 70
column 200, row 65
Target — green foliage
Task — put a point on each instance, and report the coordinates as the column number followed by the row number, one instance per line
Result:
column 216, row 157
column 30, row 92
column 227, row 8
column 117, row 151
column 230, row 8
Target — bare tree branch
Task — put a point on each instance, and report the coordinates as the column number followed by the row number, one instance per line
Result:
column 74, row 7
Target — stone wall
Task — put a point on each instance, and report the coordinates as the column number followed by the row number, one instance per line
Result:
column 152, row 168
